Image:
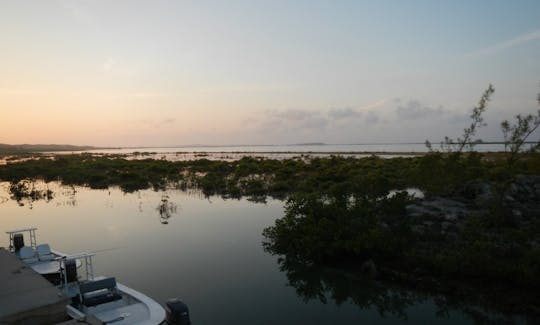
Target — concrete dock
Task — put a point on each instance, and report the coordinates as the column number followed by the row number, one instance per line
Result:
column 26, row 297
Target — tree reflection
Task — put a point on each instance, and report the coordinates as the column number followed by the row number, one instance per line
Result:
column 69, row 196
column 340, row 285
column 313, row 282
column 319, row 231
column 26, row 191
column 166, row 209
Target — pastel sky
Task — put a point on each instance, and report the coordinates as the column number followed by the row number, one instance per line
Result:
column 162, row 73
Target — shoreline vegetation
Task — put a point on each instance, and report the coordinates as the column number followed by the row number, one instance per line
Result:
column 339, row 212
column 133, row 154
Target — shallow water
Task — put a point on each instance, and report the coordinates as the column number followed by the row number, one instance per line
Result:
column 300, row 148
column 229, row 153
column 209, row 254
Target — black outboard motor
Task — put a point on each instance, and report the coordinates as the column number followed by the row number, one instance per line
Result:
column 71, row 270
column 18, row 242
column 177, row 312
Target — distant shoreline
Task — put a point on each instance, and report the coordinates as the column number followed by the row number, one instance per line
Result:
column 23, row 148
column 14, row 148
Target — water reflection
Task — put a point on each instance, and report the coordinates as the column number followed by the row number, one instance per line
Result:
column 325, row 284
column 68, row 196
column 27, row 192
column 166, row 209
column 212, row 258
column 322, row 283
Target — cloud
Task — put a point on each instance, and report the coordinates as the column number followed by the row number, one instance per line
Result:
column 165, row 121
column 344, row 113
column 156, row 124
column 117, row 67
column 80, row 11
column 518, row 40
column 144, row 95
column 348, row 113
column 293, row 114
column 376, row 104
column 303, row 122
column 414, row 110
column 291, row 119
column 371, row 118
column 136, row 95
column 249, row 88
column 108, row 65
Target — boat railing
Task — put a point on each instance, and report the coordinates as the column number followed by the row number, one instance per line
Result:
column 30, row 230
column 88, row 266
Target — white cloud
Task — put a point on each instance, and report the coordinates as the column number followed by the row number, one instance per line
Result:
column 366, row 112
column 117, row 67
column 152, row 124
column 292, row 119
column 518, row 40
column 376, row 104
column 413, row 109
column 80, row 11
column 344, row 113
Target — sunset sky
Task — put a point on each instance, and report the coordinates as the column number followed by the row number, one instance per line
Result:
column 162, row 73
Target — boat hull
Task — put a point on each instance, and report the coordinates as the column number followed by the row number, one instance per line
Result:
column 51, row 267
column 133, row 308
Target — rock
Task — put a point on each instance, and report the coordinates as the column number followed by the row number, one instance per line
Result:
column 513, row 189
column 445, row 226
column 446, row 216
column 438, row 208
column 509, row 199
column 473, row 190
column 525, row 188
column 480, row 193
column 418, row 229
column 369, row 269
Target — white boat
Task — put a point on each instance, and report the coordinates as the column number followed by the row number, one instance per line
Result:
column 105, row 299
column 41, row 258
column 101, row 298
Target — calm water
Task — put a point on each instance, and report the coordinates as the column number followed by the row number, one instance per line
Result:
column 279, row 151
column 375, row 147
column 210, row 255
column 230, row 153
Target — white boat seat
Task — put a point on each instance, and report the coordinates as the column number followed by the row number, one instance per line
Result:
column 27, row 254
column 44, row 252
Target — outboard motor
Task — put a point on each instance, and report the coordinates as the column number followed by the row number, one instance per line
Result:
column 177, row 312
column 71, row 270
column 18, row 242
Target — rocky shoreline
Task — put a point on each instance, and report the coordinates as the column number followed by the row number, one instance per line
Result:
column 446, row 216
column 509, row 220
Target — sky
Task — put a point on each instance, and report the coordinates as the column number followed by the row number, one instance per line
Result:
column 167, row 73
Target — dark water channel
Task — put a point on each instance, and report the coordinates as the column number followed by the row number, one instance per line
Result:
column 208, row 252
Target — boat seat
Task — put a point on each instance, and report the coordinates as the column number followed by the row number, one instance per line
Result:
column 27, row 254
column 102, row 299
column 98, row 292
column 44, row 252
